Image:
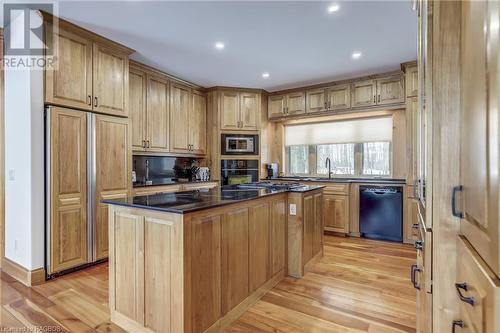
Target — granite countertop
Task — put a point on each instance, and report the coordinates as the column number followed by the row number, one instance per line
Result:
column 140, row 184
column 191, row 201
column 342, row 180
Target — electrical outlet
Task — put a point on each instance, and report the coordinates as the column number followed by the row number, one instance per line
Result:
column 293, row 209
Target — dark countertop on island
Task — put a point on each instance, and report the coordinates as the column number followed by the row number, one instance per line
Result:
column 191, row 201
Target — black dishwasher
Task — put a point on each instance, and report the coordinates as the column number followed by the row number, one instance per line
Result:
column 381, row 213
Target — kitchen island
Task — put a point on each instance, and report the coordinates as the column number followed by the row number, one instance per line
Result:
column 194, row 261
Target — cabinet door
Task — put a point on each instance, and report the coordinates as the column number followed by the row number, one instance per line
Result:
column 336, row 212
column 338, row 97
column 68, row 213
column 113, row 172
column 198, row 123
column 278, row 236
column 249, row 111
column 276, row 106
column 308, row 238
column 110, row 81
column 180, row 103
column 70, row 83
column 296, row 103
column 480, row 137
column 411, row 81
column 411, row 137
column 157, row 115
column 258, row 230
column 390, row 90
column 315, row 100
column 204, row 249
column 318, row 224
column 363, row 93
column 137, row 93
column 234, row 258
column 230, row 109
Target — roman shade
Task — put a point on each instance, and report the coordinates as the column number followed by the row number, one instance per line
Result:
column 349, row 131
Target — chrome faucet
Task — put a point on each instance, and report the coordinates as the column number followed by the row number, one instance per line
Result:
column 328, row 164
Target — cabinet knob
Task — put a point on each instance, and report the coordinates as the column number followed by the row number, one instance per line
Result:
column 463, row 286
column 374, row 99
column 96, row 101
column 379, row 98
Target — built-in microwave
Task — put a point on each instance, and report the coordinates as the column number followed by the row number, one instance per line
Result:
column 239, row 144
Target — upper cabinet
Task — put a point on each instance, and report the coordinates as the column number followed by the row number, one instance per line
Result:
column 89, row 73
column 166, row 116
column 411, row 81
column 239, row 110
column 379, row 90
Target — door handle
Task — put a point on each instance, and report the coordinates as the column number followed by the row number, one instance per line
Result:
column 459, row 323
column 379, row 98
column 419, row 245
column 326, row 105
column 415, row 226
column 143, row 143
column 89, row 100
column 96, row 101
column 374, row 98
column 463, row 286
column 454, row 210
column 147, row 144
column 413, row 276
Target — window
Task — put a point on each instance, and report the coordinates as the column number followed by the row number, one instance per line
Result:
column 355, row 148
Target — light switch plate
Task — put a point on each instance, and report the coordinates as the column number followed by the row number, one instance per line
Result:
column 293, row 209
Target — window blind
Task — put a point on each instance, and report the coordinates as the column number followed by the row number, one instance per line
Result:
column 349, row 131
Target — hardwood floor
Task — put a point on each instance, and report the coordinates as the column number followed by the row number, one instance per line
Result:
column 358, row 286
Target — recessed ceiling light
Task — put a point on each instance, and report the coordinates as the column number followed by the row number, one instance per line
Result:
column 265, row 75
column 333, row 8
column 219, row 45
column 356, row 55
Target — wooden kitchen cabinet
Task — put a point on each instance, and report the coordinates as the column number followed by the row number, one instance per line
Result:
column 71, row 83
column 278, row 236
column 287, row 105
column 480, row 137
column 240, row 110
column 234, row 243
column 276, row 106
column 114, row 172
column 68, row 210
column 390, row 90
column 198, row 123
column 338, row 97
column 411, row 81
column 258, row 243
column 363, row 93
column 157, row 114
column 180, row 104
column 90, row 72
column 336, row 212
column 137, row 104
column 315, row 100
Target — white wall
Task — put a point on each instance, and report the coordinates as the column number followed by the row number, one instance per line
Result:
column 24, row 168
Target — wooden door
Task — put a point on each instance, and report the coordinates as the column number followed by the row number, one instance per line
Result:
column 204, row 249
column 338, row 97
column 230, row 109
column 278, row 236
column 318, row 224
column 127, row 266
column 308, row 231
column 70, row 82
column 390, row 90
column 137, row 104
column 480, row 137
column 296, row 103
column 113, row 157
column 180, row 105
column 363, row 93
column 258, row 231
column 157, row 115
column 315, row 100
column 68, row 177
column 198, row 123
column 249, row 111
column 336, row 212
column 276, row 106
column 411, row 81
column 234, row 258
column 110, row 81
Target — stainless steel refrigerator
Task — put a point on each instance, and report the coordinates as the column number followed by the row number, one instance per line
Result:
column 87, row 159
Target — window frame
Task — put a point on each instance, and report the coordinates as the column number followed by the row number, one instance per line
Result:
column 358, row 162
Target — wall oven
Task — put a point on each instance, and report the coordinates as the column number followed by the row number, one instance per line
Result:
column 235, row 172
column 239, row 144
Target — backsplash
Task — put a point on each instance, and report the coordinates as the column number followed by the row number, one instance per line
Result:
column 162, row 170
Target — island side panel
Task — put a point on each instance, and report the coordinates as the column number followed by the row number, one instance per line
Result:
column 295, row 235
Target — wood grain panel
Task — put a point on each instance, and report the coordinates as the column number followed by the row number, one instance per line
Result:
column 157, row 114
column 259, row 252
column 198, row 123
column 390, row 90
column 137, row 105
column 296, row 103
column 336, row 212
column 230, row 109
column 308, row 218
column 250, row 111
column 180, row 110
column 338, row 97
column 363, row 93
column 276, row 106
column 278, row 236
column 315, row 100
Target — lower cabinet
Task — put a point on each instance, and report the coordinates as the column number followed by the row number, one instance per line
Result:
column 258, row 244
column 336, row 212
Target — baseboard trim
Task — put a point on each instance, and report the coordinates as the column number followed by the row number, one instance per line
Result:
column 25, row 276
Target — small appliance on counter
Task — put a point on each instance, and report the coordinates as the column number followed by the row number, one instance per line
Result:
column 235, row 172
column 239, row 144
column 272, row 170
column 203, row 174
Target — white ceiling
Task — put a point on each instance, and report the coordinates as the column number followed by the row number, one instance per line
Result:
column 296, row 42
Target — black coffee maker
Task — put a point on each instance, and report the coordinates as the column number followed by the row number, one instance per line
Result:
column 272, row 170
